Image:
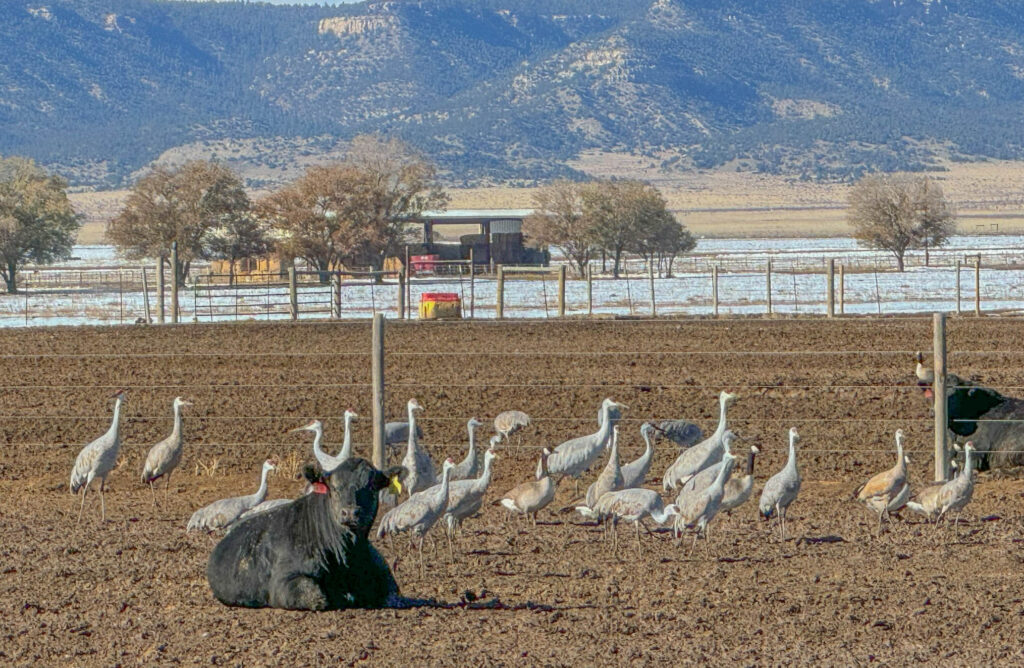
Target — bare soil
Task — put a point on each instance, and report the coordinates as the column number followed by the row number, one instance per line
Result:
column 132, row 590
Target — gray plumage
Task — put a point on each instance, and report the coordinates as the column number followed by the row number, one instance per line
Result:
column 419, row 512
column 957, row 493
column 98, row 459
column 782, row 488
column 705, row 453
column 466, row 497
column 614, row 412
column 610, row 478
column 530, row 497
column 327, row 462
column 681, row 432
column 165, row 456
column 739, row 489
column 396, row 434
column 221, row 514
column 703, row 478
column 416, row 461
column 510, row 422
column 633, row 505
column 470, row 466
column 634, row 473
column 576, row 455
column 926, row 500
column 697, row 509
column 263, row 507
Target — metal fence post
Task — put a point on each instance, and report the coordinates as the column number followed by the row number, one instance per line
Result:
column 561, row 291
column 401, row 293
column 472, row 284
column 499, row 300
column 293, row 293
column 842, row 289
column 377, row 371
column 977, row 286
column 768, row 285
column 939, row 392
column 160, row 289
column 145, row 295
column 174, row 282
column 650, row 277
column 714, row 289
column 590, row 289
column 958, row 287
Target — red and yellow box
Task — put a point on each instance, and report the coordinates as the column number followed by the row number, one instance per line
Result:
column 440, row 305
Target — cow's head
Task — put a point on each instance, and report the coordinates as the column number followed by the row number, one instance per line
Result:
column 354, row 487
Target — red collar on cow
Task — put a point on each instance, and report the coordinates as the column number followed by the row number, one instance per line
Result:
column 319, row 488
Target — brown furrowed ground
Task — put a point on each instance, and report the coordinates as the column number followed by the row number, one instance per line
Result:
column 133, row 590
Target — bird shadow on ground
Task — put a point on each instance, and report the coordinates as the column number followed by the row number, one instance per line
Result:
column 818, row 540
column 469, row 601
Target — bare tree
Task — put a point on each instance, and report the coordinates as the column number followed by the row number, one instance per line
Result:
column 559, row 221
column 240, row 235
column 182, row 205
column 37, row 223
column 898, row 213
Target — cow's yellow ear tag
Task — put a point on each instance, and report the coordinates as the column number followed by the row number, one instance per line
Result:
column 395, row 486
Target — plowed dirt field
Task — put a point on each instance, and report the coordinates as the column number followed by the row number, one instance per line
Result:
column 132, row 590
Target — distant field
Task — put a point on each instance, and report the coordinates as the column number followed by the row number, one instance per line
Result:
column 988, row 195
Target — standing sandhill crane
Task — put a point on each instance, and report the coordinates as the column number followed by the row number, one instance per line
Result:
column 346, row 444
column 704, row 454
column 614, row 412
column 633, row 505
column 419, row 512
column 576, row 455
column 165, row 456
column 465, row 497
column 396, row 434
column 529, row 497
column 782, row 488
column 470, row 466
column 327, row 462
column 98, row 459
column 416, row 461
column 957, row 493
column 610, row 478
column 220, row 514
column 634, row 472
column 511, row 422
column 697, row 509
column 925, row 376
column 926, row 500
column 704, row 478
column 738, row 490
column 878, row 492
column 681, row 432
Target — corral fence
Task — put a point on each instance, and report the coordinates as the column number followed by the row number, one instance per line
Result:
column 970, row 283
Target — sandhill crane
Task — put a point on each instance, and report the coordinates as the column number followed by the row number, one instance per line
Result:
column 681, row 432
column 470, row 466
column 633, row 505
column 925, row 376
column 511, row 422
column 704, row 454
column 926, row 500
column 610, row 478
column 419, row 512
column 703, row 478
column 697, row 509
column 165, row 456
column 416, row 461
column 878, row 492
column 465, row 497
column 576, row 455
column 98, row 459
column 529, row 497
column 782, row 488
column 738, row 490
column 346, row 444
column 957, row 493
column 220, row 514
column 327, row 462
column 613, row 411
column 396, row 434
column 634, row 473
column 263, row 507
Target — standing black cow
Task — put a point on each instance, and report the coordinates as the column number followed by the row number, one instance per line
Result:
column 995, row 423
column 313, row 553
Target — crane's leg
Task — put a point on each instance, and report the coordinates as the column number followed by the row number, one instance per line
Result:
column 639, row 547
column 707, row 542
column 152, row 493
column 694, row 544
column 451, row 549
column 103, row 506
column 167, row 484
column 782, row 517
column 423, row 571
column 85, row 490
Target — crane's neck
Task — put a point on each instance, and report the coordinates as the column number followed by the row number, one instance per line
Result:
column 649, row 449
column 723, row 472
column 471, row 427
column 411, row 444
column 723, row 406
column 484, row 481
column 662, row 515
column 605, row 432
column 791, row 462
column 115, row 426
column 542, row 467
column 750, row 463
column 446, row 475
column 176, row 431
column 318, row 438
column 967, row 463
column 261, row 493
column 613, row 458
column 346, row 444
column 901, row 463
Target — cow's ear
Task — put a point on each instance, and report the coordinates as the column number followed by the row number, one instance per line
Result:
column 399, row 471
column 313, row 473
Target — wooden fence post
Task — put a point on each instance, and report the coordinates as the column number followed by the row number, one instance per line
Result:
column 714, row 289
column 650, row 277
column 768, row 285
column 377, row 371
column 977, row 285
column 401, row 293
column 160, row 289
column 120, row 297
column 830, row 289
column 590, row 289
column 842, row 289
column 293, row 293
column 472, row 284
column 145, row 295
column 958, row 286
column 337, row 293
column 561, row 291
column 174, row 282
column 499, row 298
column 939, row 392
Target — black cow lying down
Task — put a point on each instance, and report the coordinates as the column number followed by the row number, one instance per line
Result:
column 313, row 553
column 994, row 422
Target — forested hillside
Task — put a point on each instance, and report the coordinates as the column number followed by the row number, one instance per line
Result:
column 512, row 89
